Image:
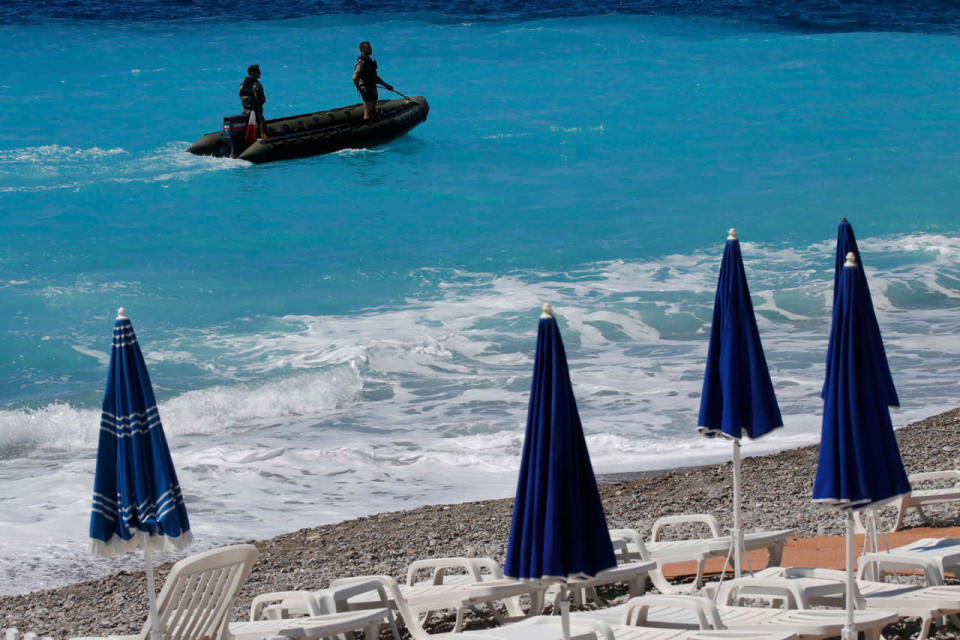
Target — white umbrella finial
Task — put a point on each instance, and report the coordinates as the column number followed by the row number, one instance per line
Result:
column 732, row 234
column 851, row 260
column 122, row 314
column 547, row 311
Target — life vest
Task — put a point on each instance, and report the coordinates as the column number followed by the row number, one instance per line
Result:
column 251, row 94
column 366, row 69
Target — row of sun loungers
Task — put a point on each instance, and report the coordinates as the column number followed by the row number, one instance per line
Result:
column 196, row 599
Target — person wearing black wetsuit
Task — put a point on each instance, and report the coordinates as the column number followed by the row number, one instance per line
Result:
column 365, row 79
column 252, row 97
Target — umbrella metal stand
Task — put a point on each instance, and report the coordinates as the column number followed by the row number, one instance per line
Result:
column 850, row 628
column 564, row 612
column 151, row 595
column 736, row 537
column 737, row 548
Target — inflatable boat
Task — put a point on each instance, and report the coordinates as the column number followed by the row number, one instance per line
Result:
column 314, row 133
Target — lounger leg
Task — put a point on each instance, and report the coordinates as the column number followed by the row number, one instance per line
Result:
column 588, row 595
column 925, row 628
column 537, row 599
column 513, row 608
column 698, row 581
column 458, row 626
column 775, row 553
column 392, row 623
column 923, row 516
column 372, row 632
column 901, row 509
column 578, row 597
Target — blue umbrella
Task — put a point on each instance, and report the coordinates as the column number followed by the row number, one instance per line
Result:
column 847, row 243
column 559, row 530
column 737, row 395
column 859, row 463
column 137, row 502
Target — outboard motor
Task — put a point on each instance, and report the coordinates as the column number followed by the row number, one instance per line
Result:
column 232, row 142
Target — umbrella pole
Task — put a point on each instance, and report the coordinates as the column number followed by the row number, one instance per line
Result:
column 564, row 612
column 850, row 629
column 737, row 533
column 152, row 596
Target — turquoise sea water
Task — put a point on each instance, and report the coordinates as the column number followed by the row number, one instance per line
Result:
column 354, row 333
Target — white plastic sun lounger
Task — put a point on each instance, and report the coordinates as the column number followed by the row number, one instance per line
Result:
column 717, row 544
column 803, row 588
column 471, row 588
column 631, row 573
column 199, row 592
column 935, row 557
column 919, row 497
column 630, row 546
column 693, row 612
column 422, row 599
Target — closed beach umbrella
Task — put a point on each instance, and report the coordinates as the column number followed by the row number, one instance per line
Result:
column 859, row 463
column 847, row 243
column 737, row 397
column 559, row 530
column 137, row 503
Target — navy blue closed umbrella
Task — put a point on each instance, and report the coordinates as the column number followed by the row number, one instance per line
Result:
column 137, row 503
column 847, row 243
column 559, row 530
column 859, row 463
column 737, row 397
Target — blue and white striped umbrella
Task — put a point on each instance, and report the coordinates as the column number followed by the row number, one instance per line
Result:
column 137, row 504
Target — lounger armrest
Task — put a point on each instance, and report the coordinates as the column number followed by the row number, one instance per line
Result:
column 892, row 560
column 769, row 586
column 837, row 575
column 708, row 617
column 703, row 518
column 304, row 599
column 438, row 567
column 925, row 476
column 491, row 565
column 601, row 629
column 632, row 537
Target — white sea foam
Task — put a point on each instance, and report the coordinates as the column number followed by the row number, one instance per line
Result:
column 357, row 152
column 322, row 418
column 56, row 167
column 55, row 154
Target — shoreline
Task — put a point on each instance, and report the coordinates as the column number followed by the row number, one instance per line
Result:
column 776, row 494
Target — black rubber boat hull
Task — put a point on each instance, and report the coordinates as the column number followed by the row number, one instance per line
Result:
column 311, row 134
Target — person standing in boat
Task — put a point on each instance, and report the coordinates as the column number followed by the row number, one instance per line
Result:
column 252, row 97
column 365, row 79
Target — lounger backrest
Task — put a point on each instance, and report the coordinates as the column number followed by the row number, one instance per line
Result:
column 199, row 592
column 703, row 519
column 632, row 538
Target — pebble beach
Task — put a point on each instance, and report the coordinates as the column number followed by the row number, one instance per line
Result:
column 776, row 494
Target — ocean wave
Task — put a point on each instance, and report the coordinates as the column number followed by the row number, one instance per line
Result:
column 55, row 427
column 60, row 427
column 426, row 401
